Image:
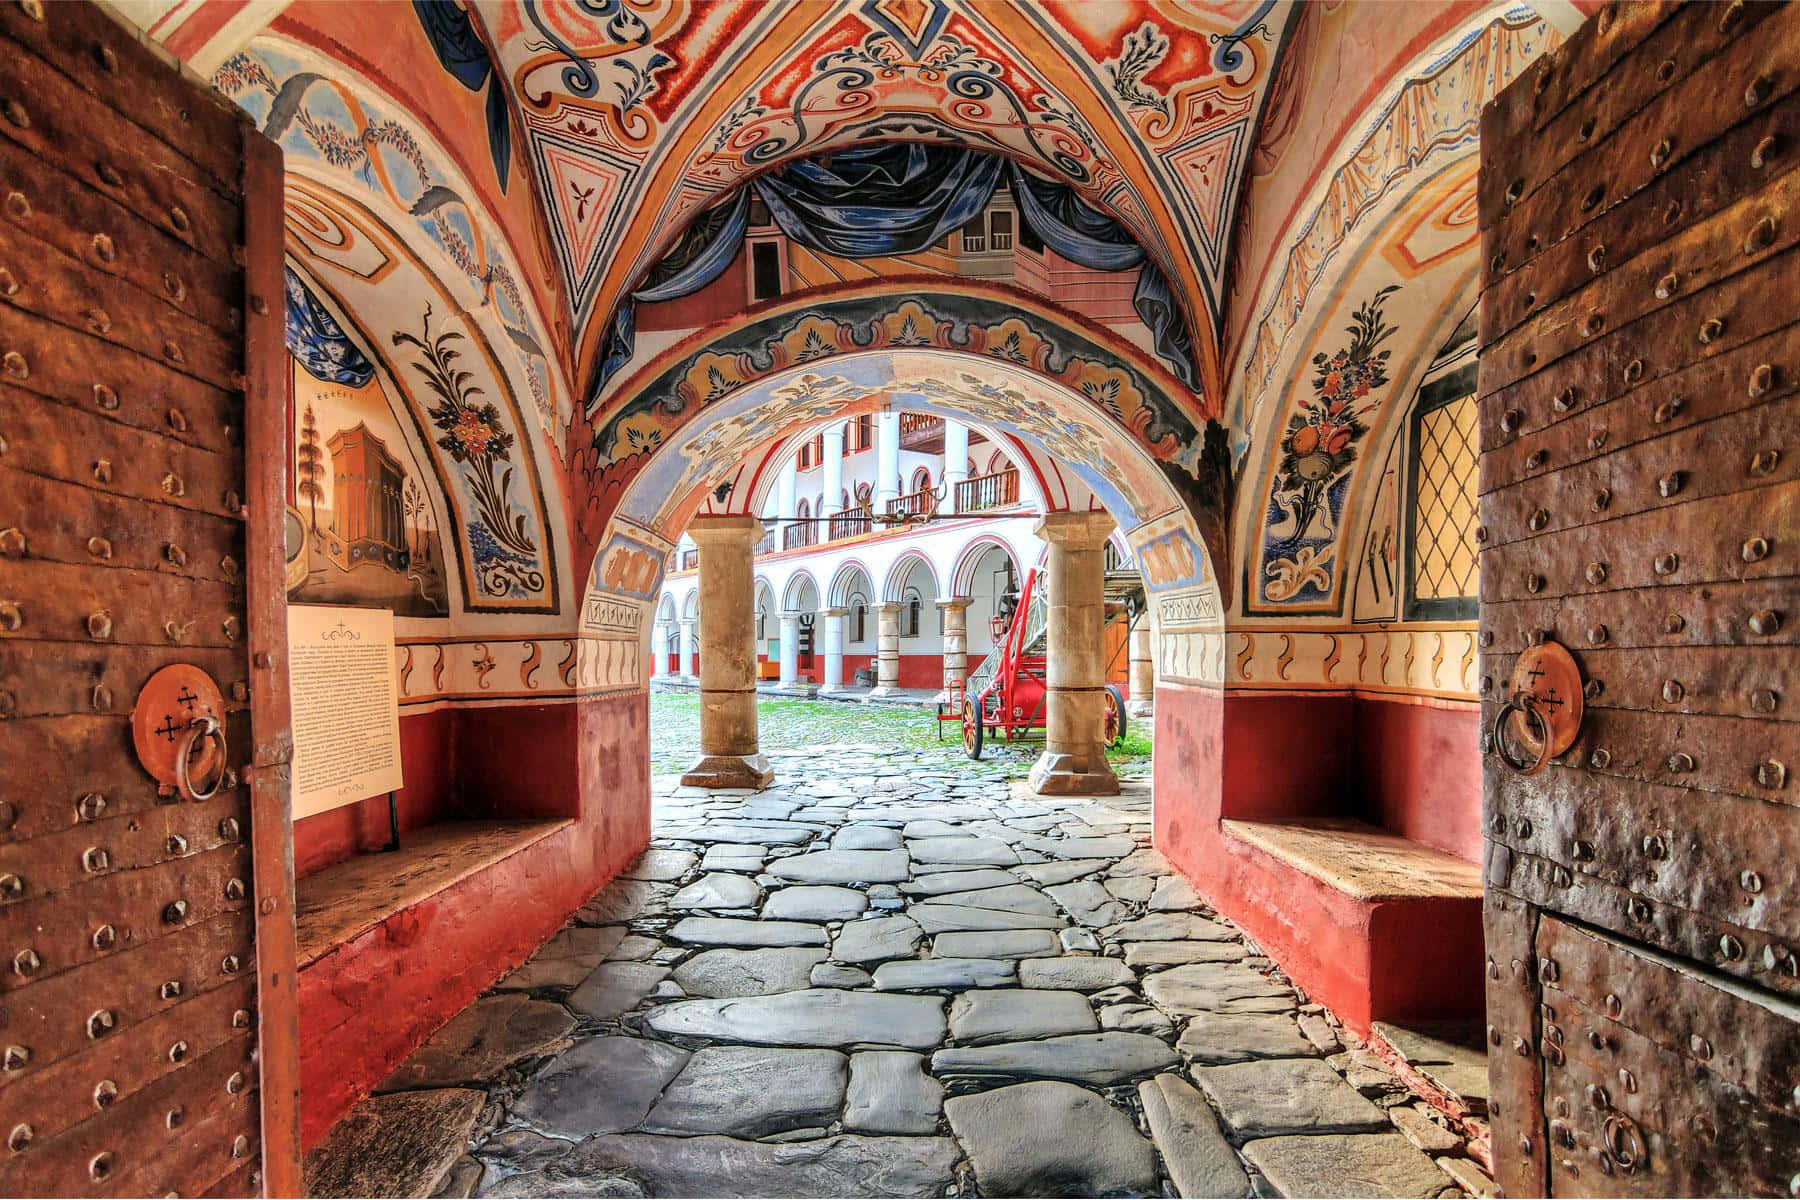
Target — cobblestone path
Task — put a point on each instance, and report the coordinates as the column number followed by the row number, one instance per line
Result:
column 893, row 977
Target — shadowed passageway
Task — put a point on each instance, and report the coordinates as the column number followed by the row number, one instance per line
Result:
column 899, row 975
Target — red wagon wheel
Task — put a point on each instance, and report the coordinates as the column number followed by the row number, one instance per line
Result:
column 971, row 728
column 1112, row 718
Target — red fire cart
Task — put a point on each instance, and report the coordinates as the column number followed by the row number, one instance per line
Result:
column 1005, row 696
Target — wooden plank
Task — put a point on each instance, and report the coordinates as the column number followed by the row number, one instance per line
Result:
column 1758, row 682
column 59, row 601
column 74, row 524
column 1716, row 614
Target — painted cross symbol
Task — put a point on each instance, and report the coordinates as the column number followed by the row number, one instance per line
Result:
column 168, row 729
column 1550, row 700
column 186, row 698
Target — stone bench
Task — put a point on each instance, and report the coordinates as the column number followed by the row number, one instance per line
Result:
column 1375, row 926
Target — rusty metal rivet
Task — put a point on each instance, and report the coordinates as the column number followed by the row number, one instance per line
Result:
column 1596, row 439
column 175, row 912
column 179, row 219
column 240, row 1019
column 1521, row 1047
column 1522, row 829
column 174, row 1117
column 1764, row 700
column 177, row 844
column 1765, row 151
column 229, row 627
column 108, row 174
column 99, row 547
column 228, row 829
column 178, row 1051
column 1764, row 622
column 1600, row 759
column 1667, row 564
column 1711, row 330
column 1515, row 189
column 1486, row 638
column 101, row 1022
column 1602, row 499
column 235, row 1084
column 9, row 283
column 1669, row 484
column 103, row 248
column 240, row 1145
column 172, row 350
column 15, row 366
column 232, row 501
column 26, row 961
column 1673, row 691
column 1592, row 688
column 99, row 625
column 1659, row 154
column 1634, row 370
column 230, row 964
column 1565, row 400
column 172, row 485
column 101, row 1165
column 1538, row 519
column 17, row 114
column 103, row 472
column 1750, row 881
column 1582, row 851
column 1754, row 549
column 171, row 989
column 99, row 321
column 105, row 397
column 1667, row 410
column 95, row 860
column 1481, row 535
column 1536, row 459
column 1638, row 909
column 1597, row 635
column 1594, row 324
column 19, row 1138
column 234, row 889
column 176, row 289
column 1701, row 1048
column 11, row 617
column 1762, row 378
column 1596, row 573
column 1680, row 762
column 1760, row 237
column 1534, row 583
column 1509, row 420
column 1758, row 91
column 1763, row 461
column 239, row 691
column 1770, row 774
column 105, row 938
column 1592, row 200
column 1596, row 259
column 1598, row 1040
column 175, row 554
column 1673, row 623
column 1668, row 285
column 12, row 543
column 15, row 1057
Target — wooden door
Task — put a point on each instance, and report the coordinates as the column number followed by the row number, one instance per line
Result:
column 146, row 940
column 1641, row 507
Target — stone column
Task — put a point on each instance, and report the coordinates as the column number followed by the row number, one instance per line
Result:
column 790, row 649
column 887, row 649
column 834, row 471
column 887, row 459
column 659, row 650
column 690, row 641
column 729, row 754
column 1143, row 670
column 955, row 623
column 834, row 649
column 956, row 460
column 1074, row 760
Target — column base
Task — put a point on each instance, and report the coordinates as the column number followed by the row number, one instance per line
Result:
column 1140, row 708
column 729, row 771
column 1057, row 775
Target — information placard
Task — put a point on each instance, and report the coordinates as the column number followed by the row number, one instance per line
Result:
column 346, row 705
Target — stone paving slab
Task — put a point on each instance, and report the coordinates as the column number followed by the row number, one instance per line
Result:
column 1364, row 1164
column 661, row 865
column 566, row 959
column 1016, row 1014
column 1287, row 1095
column 1101, row 1059
column 1051, row 1139
column 1013, row 898
column 1081, row 973
column 889, row 1092
column 717, row 890
column 482, row 1039
column 760, row 834
column 734, row 858
column 1166, row 927
column 1174, row 954
column 1216, row 987
column 938, row 882
column 974, row 851
column 814, row 902
column 811, row 1017
column 652, row 1165
column 1214, row 1039
column 943, row 974
column 941, row 918
column 997, row 943
column 875, row 939
column 752, row 1091
column 844, row 866
column 1199, row 1159
column 398, row 1145
column 718, row 974
column 737, row 931
column 616, row 988
column 603, row 1085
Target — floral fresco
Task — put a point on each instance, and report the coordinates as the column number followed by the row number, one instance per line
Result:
column 1318, row 449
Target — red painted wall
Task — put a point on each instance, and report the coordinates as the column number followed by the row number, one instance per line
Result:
column 1403, row 765
column 368, row 1004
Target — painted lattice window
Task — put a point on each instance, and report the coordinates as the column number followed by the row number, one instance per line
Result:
column 1442, row 568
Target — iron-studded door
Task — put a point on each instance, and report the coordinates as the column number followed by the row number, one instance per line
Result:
column 146, row 932
column 1640, row 400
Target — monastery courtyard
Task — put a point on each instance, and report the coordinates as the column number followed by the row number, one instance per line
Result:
column 893, row 973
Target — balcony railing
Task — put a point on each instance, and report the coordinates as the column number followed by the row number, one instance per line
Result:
column 922, row 432
column 988, row 491
column 766, row 544
column 801, row 533
column 852, row 522
column 688, row 560
column 921, row 503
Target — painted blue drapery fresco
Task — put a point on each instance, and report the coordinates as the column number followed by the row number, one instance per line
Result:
column 879, row 201
column 465, row 56
column 318, row 342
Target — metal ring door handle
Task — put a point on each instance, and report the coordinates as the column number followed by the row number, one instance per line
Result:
column 200, row 728
column 1525, row 703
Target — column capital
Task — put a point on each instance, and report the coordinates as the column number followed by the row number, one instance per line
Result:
column 888, row 606
column 957, row 603
column 1076, row 530
column 840, row 613
column 790, row 614
column 724, row 530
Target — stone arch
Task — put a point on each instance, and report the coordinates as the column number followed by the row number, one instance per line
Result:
column 690, row 606
column 794, row 594
column 970, row 556
column 665, row 612
column 900, row 575
column 843, row 583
